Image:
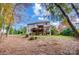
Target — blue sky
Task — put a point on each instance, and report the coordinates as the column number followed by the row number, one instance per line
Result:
column 30, row 14
column 25, row 14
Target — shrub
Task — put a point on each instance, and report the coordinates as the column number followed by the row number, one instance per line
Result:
column 67, row 32
column 32, row 38
column 26, row 35
column 54, row 31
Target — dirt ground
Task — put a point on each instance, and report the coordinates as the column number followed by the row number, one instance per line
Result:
column 16, row 45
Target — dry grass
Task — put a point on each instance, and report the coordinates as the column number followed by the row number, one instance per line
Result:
column 43, row 45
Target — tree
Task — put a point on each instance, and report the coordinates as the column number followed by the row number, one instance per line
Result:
column 67, row 17
column 75, row 9
column 9, row 18
column 2, row 18
column 62, row 8
column 6, row 12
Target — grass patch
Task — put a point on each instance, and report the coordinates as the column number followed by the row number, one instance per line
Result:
column 55, row 37
column 50, row 37
column 63, row 37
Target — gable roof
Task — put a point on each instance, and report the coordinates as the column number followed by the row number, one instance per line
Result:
column 38, row 22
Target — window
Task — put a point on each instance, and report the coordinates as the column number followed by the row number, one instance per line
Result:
column 46, row 23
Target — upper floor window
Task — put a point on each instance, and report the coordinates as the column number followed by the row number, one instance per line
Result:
column 46, row 23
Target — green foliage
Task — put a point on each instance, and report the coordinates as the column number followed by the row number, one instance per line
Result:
column 53, row 9
column 1, row 18
column 78, row 30
column 67, row 32
column 21, row 31
column 66, row 7
column 11, row 30
column 54, row 31
column 0, row 24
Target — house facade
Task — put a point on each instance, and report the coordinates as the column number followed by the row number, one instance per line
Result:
column 38, row 28
column 75, row 22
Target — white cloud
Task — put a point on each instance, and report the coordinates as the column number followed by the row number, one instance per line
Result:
column 77, row 19
column 36, row 8
column 45, row 12
column 40, row 10
column 38, row 5
column 43, row 19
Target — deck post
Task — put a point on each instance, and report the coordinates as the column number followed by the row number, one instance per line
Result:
column 50, row 30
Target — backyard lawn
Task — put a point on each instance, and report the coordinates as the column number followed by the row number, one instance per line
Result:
column 43, row 45
column 55, row 37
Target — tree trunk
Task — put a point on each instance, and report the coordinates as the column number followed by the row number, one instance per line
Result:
column 75, row 9
column 2, row 22
column 8, row 30
column 63, row 12
column 3, row 27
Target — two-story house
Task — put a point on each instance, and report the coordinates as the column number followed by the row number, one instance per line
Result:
column 42, row 27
